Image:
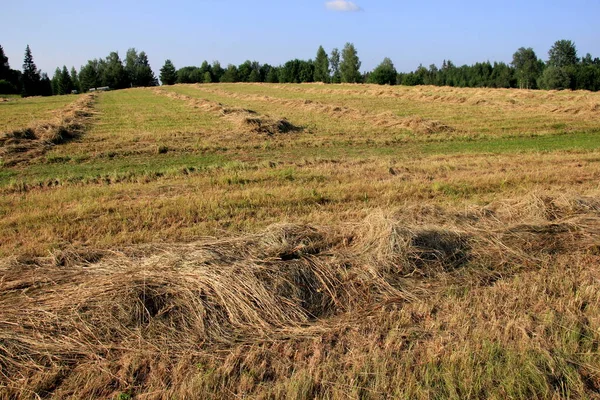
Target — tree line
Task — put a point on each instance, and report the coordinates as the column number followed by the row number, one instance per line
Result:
column 112, row 72
column 564, row 69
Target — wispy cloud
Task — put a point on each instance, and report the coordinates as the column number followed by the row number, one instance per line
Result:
column 342, row 5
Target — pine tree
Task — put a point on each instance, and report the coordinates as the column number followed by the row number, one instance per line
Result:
column 89, row 76
column 56, row 86
column 321, row 66
column 4, row 66
column 45, row 85
column 334, row 61
column 31, row 75
column 65, row 81
column 113, row 73
column 144, row 74
column 168, row 73
column 75, row 79
column 350, row 65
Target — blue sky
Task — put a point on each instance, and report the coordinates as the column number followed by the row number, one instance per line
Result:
column 231, row 31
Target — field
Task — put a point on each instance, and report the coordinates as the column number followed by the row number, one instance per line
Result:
column 300, row 241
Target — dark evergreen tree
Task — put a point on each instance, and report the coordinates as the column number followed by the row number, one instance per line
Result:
column 75, row 79
column 45, row 85
column 137, row 67
column 90, row 75
column 144, row 75
column 56, row 82
column 321, row 66
column 113, row 74
column 65, row 81
column 350, row 65
column 4, row 66
column 334, row 61
column 31, row 76
column 168, row 73
column 384, row 74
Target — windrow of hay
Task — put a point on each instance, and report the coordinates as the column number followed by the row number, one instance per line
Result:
column 582, row 103
column 385, row 120
column 81, row 310
column 32, row 142
column 247, row 120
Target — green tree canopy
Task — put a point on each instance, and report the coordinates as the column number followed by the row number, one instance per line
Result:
column 562, row 54
column 217, row 71
column 230, row 74
column 526, row 65
column 350, row 65
column 114, row 74
column 555, row 78
column 334, row 61
column 139, row 72
column 90, row 76
column 168, row 73
column 384, row 74
column 321, row 66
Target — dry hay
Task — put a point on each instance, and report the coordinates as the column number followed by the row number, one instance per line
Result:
column 245, row 119
column 23, row 145
column 92, row 313
column 386, row 120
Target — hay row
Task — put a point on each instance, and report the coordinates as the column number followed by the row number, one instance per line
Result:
column 246, row 120
column 24, row 145
column 83, row 310
column 580, row 103
column 385, row 120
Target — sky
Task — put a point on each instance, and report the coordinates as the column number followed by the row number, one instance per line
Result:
column 424, row 32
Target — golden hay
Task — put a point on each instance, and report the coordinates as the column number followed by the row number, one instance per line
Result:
column 83, row 310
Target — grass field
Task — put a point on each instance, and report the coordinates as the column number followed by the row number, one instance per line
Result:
column 300, row 242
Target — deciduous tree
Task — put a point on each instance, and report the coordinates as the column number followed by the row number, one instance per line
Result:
column 384, row 74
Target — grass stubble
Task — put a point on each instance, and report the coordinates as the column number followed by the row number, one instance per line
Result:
column 267, row 263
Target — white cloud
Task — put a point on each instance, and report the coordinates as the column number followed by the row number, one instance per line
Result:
column 342, row 5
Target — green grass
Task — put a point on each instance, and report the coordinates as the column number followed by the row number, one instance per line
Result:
column 22, row 112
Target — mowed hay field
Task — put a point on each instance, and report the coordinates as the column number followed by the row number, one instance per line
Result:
column 300, row 241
